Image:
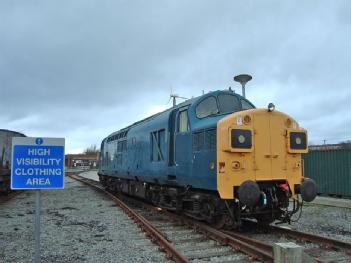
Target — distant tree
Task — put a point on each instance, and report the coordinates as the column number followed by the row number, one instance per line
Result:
column 91, row 149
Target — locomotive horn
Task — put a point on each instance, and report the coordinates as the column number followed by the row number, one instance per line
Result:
column 243, row 79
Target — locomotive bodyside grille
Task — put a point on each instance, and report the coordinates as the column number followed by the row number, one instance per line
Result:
column 204, row 140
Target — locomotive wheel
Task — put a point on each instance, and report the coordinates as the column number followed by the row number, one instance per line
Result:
column 155, row 199
column 221, row 221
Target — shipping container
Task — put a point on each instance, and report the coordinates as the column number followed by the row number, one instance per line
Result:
column 331, row 169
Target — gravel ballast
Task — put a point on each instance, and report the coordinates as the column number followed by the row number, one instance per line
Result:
column 333, row 222
column 78, row 224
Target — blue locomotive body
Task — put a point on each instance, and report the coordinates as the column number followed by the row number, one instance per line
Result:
column 214, row 158
column 176, row 147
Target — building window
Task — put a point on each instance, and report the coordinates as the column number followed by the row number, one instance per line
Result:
column 158, row 145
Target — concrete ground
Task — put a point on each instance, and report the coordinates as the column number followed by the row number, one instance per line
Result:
column 91, row 175
column 331, row 201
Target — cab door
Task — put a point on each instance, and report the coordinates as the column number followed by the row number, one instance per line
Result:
column 262, row 148
column 172, row 125
column 183, row 146
column 270, row 151
column 278, row 146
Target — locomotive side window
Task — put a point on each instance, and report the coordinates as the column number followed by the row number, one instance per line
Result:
column 246, row 105
column 158, row 145
column 207, row 107
column 228, row 103
column 183, row 124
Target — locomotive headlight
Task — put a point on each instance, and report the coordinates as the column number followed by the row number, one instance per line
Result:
column 241, row 139
column 297, row 141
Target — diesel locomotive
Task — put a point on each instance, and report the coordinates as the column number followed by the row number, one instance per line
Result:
column 5, row 158
column 215, row 158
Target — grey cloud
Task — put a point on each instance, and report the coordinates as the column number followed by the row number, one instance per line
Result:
column 68, row 67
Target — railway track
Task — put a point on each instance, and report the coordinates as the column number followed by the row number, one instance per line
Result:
column 155, row 236
column 316, row 248
column 182, row 239
column 186, row 240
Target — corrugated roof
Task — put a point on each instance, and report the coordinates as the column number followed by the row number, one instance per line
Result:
column 19, row 133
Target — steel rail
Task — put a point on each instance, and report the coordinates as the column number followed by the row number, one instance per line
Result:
column 325, row 241
column 252, row 247
column 255, row 242
column 171, row 252
column 313, row 238
column 265, row 246
column 222, row 238
column 247, row 247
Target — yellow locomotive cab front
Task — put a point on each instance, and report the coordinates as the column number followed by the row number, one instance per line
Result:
column 261, row 146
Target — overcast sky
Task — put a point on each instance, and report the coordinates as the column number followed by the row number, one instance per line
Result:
column 83, row 69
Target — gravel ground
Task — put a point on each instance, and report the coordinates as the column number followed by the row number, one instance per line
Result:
column 333, row 222
column 77, row 225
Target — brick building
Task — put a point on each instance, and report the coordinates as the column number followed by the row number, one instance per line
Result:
column 84, row 160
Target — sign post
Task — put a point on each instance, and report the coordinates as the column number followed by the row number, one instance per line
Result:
column 37, row 226
column 37, row 163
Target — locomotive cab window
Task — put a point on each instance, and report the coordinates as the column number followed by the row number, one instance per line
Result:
column 183, row 123
column 228, row 103
column 246, row 105
column 207, row 108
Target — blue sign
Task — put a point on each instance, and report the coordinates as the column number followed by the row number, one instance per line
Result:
column 37, row 163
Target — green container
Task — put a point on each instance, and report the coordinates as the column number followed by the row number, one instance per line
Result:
column 331, row 169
